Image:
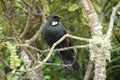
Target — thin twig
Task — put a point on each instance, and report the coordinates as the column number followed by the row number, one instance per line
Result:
column 51, row 64
column 9, row 38
column 27, row 4
column 41, row 27
column 55, row 50
column 56, row 64
column 67, row 48
column 105, row 5
column 61, row 49
column 88, row 70
column 8, row 17
column 112, row 18
column 78, row 38
column 27, row 25
column 101, row 16
column 30, row 14
column 4, row 62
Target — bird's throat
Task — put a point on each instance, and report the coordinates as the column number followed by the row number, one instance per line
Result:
column 54, row 23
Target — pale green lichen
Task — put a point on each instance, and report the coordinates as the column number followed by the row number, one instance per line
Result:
column 14, row 58
column 99, row 45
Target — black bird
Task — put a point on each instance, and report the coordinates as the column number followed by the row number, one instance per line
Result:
column 52, row 32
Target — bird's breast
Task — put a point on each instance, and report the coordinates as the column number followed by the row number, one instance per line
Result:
column 52, row 34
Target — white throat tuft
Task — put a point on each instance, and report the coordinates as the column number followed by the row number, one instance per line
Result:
column 54, row 23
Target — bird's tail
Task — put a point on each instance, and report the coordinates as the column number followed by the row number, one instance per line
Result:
column 69, row 60
column 72, row 66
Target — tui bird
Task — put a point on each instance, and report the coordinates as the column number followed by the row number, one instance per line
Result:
column 52, row 32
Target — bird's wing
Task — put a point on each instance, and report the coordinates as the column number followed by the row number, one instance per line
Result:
column 66, row 43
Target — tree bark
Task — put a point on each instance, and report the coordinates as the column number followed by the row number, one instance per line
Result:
column 97, row 55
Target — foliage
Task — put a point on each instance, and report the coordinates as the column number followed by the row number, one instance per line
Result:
column 45, row 6
column 1, row 36
column 14, row 58
column 74, row 20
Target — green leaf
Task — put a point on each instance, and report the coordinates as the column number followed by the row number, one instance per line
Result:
column 73, row 7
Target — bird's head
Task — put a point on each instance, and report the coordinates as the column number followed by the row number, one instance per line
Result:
column 54, row 19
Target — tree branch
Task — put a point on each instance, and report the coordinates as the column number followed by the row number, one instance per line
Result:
column 41, row 27
column 27, row 25
column 31, row 14
column 8, row 17
column 4, row 62
column 112, row 18
column 55, row 50
column 105, row 5
column 27, row 4
column 78, row 38
column 94, row 22
column 101, row 16
column 88, row 70
column 62, row 49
